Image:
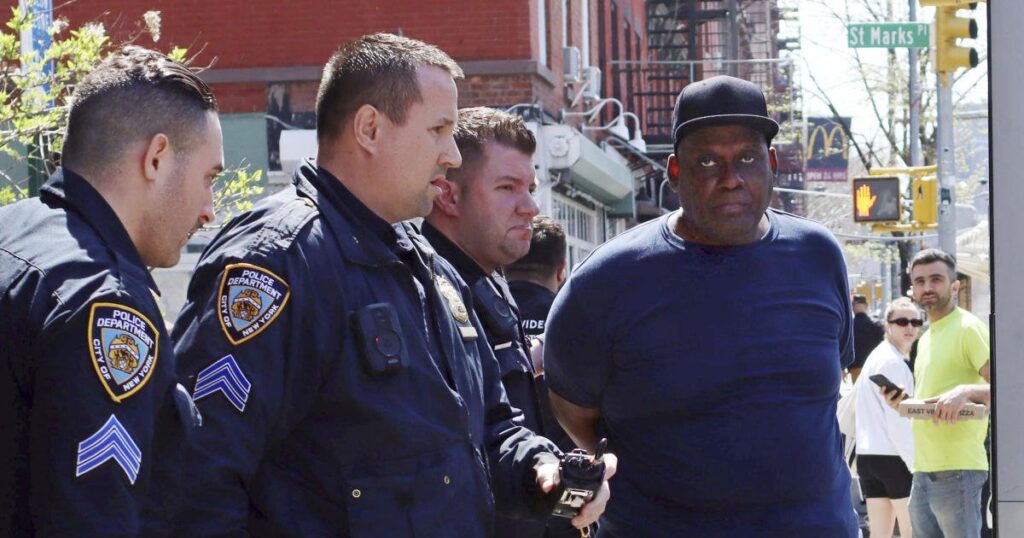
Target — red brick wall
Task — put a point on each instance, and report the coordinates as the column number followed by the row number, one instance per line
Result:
column 268, row 33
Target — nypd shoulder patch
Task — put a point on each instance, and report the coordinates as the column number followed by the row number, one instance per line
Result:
column 249, row 300
column 123, row 345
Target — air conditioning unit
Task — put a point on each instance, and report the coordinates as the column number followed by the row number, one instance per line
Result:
column 592, row 78
column 572, row 59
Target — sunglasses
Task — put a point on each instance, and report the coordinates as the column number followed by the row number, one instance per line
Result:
column 903, row 322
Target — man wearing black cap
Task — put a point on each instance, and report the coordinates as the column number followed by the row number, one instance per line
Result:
column 714, row 376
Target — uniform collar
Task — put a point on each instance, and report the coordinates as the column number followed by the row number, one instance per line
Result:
column 69, row 189
column 364, row 237
column 467, row 267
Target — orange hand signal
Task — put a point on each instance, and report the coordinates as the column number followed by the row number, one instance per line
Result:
column 865, row 200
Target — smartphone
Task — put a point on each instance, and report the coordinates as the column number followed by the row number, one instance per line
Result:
column 884, row 382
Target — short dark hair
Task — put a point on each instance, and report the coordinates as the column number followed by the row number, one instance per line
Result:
column 547, row 249
column 860, row 299
column 132, row 95
column 377, row 70
column 932, row 255
column 479, row 125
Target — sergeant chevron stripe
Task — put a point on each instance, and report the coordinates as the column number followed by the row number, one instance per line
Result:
column 225, row 376
column 111, row 442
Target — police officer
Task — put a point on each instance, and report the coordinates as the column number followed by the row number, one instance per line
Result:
column 481, row 221
column 535, row 278
column 93, row 419
column 345, row 386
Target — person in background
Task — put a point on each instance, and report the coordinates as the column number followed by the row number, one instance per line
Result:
column 951, row 370
column 867, row 334
column 885, row 442
column 535, row 278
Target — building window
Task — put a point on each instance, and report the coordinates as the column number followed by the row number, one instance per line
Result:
column 566, row 23
column 542, row 31
column 585, row 25
column 581, row 227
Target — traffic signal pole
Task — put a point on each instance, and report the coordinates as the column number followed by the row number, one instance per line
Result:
column 915, row 98
column 947, row 176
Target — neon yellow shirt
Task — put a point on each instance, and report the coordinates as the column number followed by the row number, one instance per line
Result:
column 950, row 353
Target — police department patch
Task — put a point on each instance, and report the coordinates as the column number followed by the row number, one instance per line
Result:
column 123, row 344
column 249, row 300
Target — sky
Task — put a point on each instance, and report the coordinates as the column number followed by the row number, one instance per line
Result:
column 824, row 52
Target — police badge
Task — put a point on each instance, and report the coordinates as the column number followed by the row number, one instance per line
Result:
column 250, row 299
column 123, row 344
column 451, row 295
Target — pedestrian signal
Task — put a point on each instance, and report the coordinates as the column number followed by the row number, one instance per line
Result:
column 926, row 200
column 876, row 199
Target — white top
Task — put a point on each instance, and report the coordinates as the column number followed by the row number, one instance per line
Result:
column 881, row 431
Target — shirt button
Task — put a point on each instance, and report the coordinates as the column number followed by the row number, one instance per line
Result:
column 447, row 480
column 356, row 239
column 356, row 494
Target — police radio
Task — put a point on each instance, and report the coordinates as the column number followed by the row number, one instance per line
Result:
column 380, row 336
column 581, row 476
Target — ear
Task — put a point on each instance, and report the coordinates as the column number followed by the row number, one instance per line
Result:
column 562, row 273
column 366, row 127
column 773, row 159
column 448, row 201
column 672, row 170
column 955, row 287
column 157, row 161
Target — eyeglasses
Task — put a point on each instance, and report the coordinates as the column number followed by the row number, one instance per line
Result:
column 903, row 322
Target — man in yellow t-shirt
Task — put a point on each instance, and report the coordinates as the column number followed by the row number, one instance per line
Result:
column 952, row 369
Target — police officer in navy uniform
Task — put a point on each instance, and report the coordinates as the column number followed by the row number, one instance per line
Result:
column 481, row 221
column 94, row 421
column 346, row 387
column 535, row 278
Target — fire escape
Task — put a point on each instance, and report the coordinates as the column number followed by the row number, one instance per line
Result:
column 691, row 40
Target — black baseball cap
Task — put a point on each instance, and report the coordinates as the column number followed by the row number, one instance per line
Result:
column 721, row 100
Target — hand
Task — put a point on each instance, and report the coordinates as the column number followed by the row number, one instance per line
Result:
column 949, row 405
column 537, row 355
column 547, row 478
column 893, row 397
column 864, row 201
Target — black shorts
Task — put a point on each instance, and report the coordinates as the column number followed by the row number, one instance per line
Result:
column 883, row 476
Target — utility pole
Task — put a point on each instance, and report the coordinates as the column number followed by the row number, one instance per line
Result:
column 947, row 176
column 915, row 97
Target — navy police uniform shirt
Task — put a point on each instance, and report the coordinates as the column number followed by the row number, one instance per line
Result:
column 92, row 429
column 346, row 388
column 499, row 316
column 534, row 303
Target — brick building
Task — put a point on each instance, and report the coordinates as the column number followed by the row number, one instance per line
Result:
column 547, row 56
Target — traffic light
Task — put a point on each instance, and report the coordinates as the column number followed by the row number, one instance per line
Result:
column 926, row 200
column 876, row 199
column 949, row 56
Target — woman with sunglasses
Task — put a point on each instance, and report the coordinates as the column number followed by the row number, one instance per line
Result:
column 885, row 443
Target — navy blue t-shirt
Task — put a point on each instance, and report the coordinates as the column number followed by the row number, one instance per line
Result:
column 716, row 371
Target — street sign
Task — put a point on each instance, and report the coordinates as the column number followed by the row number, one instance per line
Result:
column 876, row 199
column 888, row 35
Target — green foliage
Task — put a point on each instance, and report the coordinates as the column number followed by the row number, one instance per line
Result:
column 34, row 102
column 234, row 191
